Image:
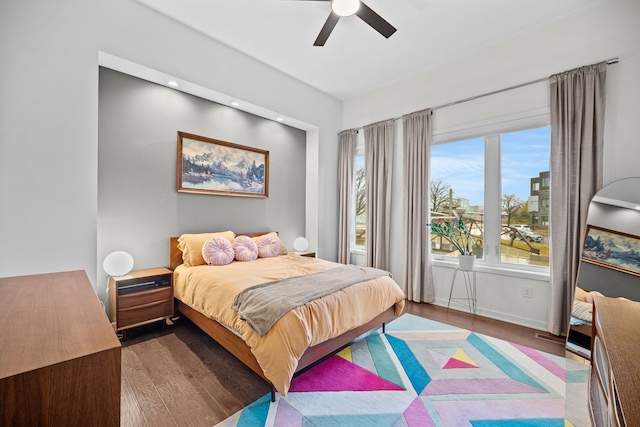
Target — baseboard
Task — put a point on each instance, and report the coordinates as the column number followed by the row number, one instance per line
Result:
column 496, row 315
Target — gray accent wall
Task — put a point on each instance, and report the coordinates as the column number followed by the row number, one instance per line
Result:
column 138, row 205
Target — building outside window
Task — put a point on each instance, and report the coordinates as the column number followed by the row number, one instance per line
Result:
column 541, row 194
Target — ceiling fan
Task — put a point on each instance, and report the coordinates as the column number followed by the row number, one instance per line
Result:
column 342, row 8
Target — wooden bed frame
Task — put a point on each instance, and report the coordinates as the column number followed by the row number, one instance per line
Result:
column 237, row 347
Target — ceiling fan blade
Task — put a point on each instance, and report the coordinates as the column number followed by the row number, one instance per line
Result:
column 327, row 28
column 376, row 21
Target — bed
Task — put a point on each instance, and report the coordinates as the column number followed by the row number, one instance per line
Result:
column 301, row 337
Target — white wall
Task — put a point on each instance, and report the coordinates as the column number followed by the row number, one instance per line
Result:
column 607, row 31
column 49, row 120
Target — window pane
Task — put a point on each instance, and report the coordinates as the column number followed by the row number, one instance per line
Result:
column 360, row 203
column 457, row 189
column 525, row 197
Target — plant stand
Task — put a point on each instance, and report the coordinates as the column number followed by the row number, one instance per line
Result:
column 469, row 277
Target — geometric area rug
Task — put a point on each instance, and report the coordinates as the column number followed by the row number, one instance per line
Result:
column 426, row 373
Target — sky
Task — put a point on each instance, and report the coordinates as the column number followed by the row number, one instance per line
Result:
column 524, row 155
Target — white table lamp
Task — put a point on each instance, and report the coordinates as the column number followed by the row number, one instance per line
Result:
column 118, row 263
column 300, row 244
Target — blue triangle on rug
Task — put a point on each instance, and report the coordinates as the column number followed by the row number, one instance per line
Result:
column 417, row 374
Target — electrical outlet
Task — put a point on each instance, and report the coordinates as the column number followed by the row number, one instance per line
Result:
column 527, row 292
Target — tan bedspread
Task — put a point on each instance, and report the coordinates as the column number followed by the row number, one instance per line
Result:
column 212, row 289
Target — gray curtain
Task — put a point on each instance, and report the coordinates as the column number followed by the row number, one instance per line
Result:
column 346, row 172
column 378, row 164
column 418, row 283
column 577, row 140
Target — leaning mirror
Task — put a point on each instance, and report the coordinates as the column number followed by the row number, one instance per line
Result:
column 610, row 258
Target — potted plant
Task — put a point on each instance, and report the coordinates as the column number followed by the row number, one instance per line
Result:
column 458, row 235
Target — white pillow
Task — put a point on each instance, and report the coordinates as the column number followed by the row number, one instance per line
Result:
column 268, row 246
column 217, row 251
column 582, row 310
column 245, row 249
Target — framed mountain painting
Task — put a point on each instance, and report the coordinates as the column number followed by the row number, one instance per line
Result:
column 210, row 166
column 612, row 249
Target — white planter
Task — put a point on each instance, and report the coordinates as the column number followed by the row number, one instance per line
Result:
column 466, row 262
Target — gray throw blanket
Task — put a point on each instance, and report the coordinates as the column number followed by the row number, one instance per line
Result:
column 262, row 305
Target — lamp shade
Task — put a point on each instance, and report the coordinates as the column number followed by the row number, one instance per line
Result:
column 118, row 263
column 300, row 244
column 345, row 7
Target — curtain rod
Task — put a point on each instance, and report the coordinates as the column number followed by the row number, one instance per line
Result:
column 609, row 62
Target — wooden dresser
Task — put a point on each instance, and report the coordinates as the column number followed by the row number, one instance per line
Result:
column 614, row 383
column 59, row 356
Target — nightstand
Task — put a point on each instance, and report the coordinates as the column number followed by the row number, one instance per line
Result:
column 140, row 297
column 309, row 254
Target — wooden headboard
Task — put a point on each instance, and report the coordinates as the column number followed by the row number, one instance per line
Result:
column 175, row 254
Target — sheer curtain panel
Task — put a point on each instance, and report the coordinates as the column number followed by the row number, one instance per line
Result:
column 378, row 164
column 346, row 172
column 418, row 283
column 577, row 140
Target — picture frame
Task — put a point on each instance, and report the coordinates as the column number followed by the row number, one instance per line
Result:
column 211, row 166
column 612, row 249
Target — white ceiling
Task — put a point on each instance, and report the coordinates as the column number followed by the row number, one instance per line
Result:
column 356, row 58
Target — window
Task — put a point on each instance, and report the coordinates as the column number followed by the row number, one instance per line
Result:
column 360, row 203
column 496, row 177
column 524, row 155
column 545, row 182
column 457, row 188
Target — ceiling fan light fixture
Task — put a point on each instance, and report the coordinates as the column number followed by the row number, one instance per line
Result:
column 345, row 7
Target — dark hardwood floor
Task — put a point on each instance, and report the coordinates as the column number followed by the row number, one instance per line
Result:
column 179, row 376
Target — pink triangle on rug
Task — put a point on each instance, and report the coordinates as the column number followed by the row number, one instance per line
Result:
column 439, row 358
column 416, row 415
column 338, row 374
column 456, row 363
column 287, row 416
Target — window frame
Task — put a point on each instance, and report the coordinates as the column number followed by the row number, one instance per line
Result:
column 491, row 130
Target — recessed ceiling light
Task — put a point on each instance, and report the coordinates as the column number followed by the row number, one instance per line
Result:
column 345, row 7
column 235, row 104
column 280, row 119
column 172, row 83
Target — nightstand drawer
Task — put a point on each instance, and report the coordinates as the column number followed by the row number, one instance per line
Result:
column 144, row 313
column 146, row 297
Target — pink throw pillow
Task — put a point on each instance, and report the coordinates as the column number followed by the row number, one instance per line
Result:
column 268, row 246
column 245, row 248
column 217, row 251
